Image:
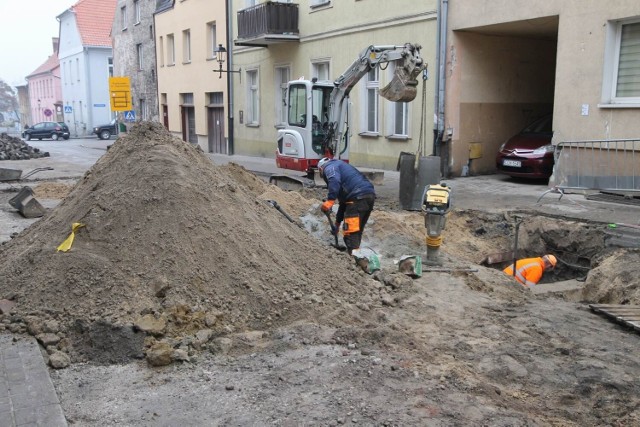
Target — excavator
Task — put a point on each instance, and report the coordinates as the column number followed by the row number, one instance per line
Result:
column 317, row 119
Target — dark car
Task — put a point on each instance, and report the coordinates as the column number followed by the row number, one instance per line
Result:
column 53, row 130
column 529, row 154
column 105, row 131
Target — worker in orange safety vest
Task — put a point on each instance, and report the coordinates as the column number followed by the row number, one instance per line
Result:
column 529, row 270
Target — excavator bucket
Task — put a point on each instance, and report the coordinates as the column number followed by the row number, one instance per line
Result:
column 402, row 88
column 404, row 85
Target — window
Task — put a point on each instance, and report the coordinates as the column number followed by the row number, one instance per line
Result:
column 78, row 69
column 316, row 3
column 320, row 69
column 372, row 85
column 136, row 11
column 161, row 50
column 282, row 78
column 250, row 3
column 212, row 40
column 622, row 65
column 253, row 102
column 186, row 46
column 110, row 62
column 123, row 17
column 140, row 56
column 143, row 109
column 400, row 119
column 171, row 50
column 398, row 114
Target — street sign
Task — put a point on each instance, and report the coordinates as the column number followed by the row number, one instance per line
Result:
column 130, row 116
column 68, row 109
column 120, row 88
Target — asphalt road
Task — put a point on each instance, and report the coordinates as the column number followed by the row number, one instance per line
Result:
column 495, row 193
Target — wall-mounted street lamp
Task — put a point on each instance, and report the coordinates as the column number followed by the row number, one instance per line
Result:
column 221, row 57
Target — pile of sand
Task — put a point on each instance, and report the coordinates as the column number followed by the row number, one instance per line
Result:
column 165, row 232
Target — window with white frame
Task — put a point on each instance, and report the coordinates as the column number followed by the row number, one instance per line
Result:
column 398, row 114
column 110, row 65
column 140, row 56
column 282, row 78
column 78, row 68
column 123, row 17
column 136, row 11
column 253, row 98
column 622, row 67
column 320, row 69
column 171, row 50
column 186, row 46
column 372, row 102
column 212, row 39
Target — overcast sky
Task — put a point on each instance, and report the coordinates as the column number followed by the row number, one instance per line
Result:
column 25, row 35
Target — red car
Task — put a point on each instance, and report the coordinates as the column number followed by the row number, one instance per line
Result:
column 529, row 154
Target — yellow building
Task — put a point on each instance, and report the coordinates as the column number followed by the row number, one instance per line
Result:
column 275, row 42
column 191, row 96
column 507, row 62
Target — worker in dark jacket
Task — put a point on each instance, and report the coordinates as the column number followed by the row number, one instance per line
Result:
column 355, row 195
column 529, row 271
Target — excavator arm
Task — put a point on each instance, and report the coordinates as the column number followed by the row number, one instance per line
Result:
column 402, row 88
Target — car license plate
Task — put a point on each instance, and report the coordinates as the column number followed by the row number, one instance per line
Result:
column 512, row 163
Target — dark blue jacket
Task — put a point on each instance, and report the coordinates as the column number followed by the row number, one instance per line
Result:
column 345, row 182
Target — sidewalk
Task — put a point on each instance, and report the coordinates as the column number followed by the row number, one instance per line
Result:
column 27, row 396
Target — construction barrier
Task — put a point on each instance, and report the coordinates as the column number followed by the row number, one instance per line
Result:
column 611, row 165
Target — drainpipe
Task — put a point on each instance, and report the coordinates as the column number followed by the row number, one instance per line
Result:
column 229, row 78
column 441, row 60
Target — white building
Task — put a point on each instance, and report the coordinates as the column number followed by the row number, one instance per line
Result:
column 86, row 64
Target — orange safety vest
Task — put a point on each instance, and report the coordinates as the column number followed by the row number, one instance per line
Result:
column 528, row 271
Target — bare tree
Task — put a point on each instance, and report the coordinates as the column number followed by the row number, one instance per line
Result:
column 8, row 99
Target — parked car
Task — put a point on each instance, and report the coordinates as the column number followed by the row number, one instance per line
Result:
column 53, row 130
column 105, row 131
column 529, row 153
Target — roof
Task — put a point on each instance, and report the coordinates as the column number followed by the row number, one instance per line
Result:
column 49, row 65
column 95, row 18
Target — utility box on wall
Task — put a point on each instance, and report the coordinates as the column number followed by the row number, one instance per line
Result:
column 475, row 150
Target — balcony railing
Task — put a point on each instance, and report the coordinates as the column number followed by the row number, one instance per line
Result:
column 268, row 23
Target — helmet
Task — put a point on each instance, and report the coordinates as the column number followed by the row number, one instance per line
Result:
column 323, row 162
column 552, row 259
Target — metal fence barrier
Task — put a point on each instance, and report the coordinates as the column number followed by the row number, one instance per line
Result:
column 611, row 165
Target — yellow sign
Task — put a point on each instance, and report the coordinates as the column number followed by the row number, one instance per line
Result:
column 120, row 89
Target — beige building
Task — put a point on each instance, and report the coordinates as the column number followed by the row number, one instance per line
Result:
column 275, row 42
column 510, row 61
column 191, row 95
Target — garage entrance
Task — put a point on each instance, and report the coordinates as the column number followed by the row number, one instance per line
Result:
column 505, row 75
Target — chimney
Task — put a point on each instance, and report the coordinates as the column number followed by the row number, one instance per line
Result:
column 56, row 42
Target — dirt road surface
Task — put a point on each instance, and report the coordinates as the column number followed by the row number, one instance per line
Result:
column 266, row 324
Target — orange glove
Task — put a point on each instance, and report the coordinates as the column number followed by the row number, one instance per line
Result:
column 327, row 205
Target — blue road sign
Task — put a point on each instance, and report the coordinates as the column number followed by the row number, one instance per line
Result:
column 68, row 109
column 130, row 116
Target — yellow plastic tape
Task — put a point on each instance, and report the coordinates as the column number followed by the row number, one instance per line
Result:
column 66, row 245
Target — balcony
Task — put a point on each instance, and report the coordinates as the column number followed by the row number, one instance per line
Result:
column 268, row 23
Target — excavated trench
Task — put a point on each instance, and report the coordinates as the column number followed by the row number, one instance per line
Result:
column 590, row 255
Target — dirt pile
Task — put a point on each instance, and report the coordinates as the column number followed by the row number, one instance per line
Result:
column 12, row 148
column 171, row 245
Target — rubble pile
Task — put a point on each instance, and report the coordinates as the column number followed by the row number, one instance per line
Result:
column 12, row 148
column 174, row 254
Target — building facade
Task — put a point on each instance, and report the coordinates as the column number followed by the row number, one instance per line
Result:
column 45, row 91
column 86, row 63
column 323, row 40
column 507, row 62
column 134, row 54
column 191, row 96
